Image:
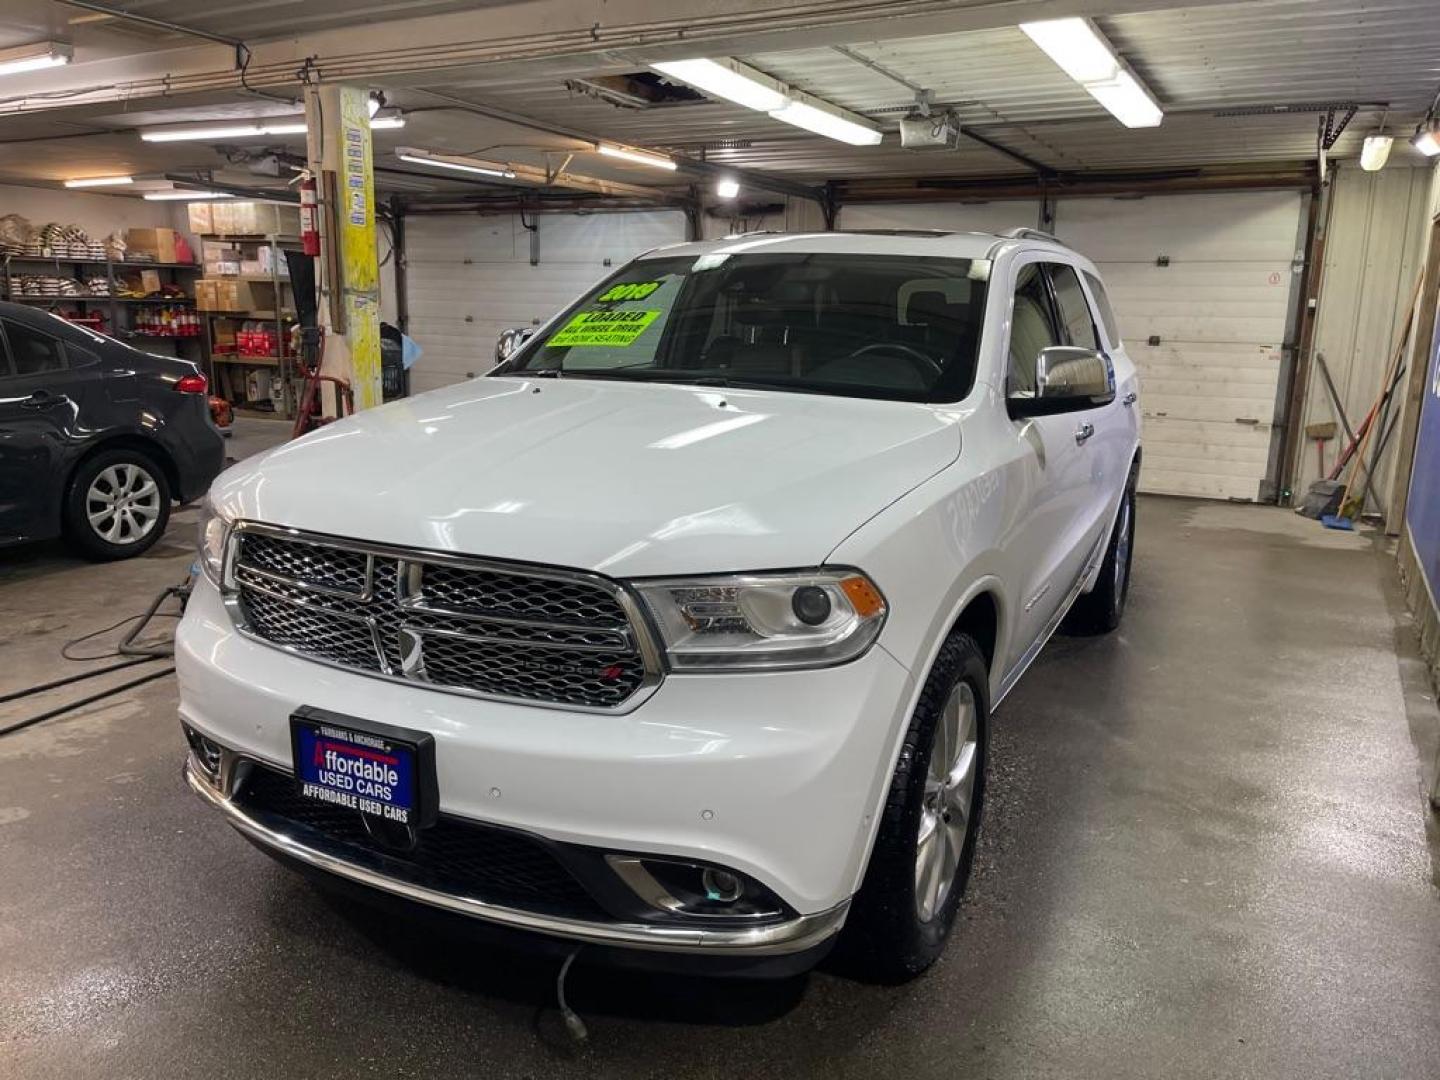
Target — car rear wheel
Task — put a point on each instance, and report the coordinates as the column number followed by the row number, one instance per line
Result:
column 902, row 916
column 1100, row 610
column 118, row 504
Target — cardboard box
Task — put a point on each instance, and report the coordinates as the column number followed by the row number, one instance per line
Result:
column 149, row 282
column 254, row 219
column 231, row 294
column 201, row 219
column 159, row 244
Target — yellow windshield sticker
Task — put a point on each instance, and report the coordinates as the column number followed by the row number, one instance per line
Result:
column 637, row 290
column 603, row 328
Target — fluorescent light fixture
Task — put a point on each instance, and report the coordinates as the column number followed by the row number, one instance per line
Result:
column 1082, row 52
column 1375, row 152
column 639, row 157
column 828, row 120
column 1427, row 138
column 1127, row 101
column 185, row 196
column 458, row 163
column 727, row 187
column 280, row 126
column 100, row 181
column 386, row 123
column 728, row 79
column 41, row 54
column 1076, row 46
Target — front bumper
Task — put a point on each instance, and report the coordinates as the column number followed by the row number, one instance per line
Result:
column 773, row 939
column 774, row 775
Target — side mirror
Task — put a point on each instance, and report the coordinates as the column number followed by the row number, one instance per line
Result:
column 1067, row 379
column 511, row 340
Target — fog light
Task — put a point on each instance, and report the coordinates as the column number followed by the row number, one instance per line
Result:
column 720, row 886
column 207, row 753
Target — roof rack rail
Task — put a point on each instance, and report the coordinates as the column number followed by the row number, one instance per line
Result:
column 1024, row 233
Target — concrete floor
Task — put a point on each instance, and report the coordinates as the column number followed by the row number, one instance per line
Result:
column 1207, row 854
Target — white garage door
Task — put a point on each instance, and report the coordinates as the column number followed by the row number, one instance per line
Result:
column 1219, row 309
column 470, row 277
column 992, row 217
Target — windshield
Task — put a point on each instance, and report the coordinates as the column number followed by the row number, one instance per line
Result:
column 883, row 326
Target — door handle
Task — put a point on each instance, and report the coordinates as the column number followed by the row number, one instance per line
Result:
column 1083, row 432
column 43, row 399
column 1128, row 399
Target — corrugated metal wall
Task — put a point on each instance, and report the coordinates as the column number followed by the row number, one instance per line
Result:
column 1373, row 254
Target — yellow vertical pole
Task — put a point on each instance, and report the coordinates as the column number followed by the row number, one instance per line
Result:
column 338, row 124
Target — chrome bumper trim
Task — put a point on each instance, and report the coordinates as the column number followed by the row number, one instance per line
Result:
column 775, row 939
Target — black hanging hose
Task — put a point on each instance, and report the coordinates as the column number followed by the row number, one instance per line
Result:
column 15, row 695
column 28, row 721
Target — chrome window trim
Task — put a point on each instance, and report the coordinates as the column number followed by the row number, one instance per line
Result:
column 772, row 939
column 651, row 657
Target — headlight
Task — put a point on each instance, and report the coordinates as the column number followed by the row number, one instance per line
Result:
column 210, row 540
column 765, row 621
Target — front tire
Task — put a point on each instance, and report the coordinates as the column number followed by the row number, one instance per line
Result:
column 901, row 917
column 118, row 505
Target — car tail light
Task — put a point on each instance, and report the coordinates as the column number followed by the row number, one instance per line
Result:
column 192, row 384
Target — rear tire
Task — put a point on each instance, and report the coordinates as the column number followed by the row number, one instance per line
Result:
column 1100, row 610
column 117, row 505
column 902, row 915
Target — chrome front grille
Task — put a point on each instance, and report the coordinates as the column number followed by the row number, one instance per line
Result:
column 499, row 630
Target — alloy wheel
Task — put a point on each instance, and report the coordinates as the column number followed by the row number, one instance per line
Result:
column 948, row 802
column 123, row 504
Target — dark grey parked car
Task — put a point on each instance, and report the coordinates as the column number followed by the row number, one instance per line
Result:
column 96, row 438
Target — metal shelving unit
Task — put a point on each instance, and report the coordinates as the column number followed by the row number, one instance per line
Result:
column 221, row 364
column 65, row 266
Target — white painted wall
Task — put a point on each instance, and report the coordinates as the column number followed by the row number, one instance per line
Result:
column 1374, row 251
column 99, row 215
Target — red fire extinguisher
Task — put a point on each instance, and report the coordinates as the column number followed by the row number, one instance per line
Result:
column 309, row 215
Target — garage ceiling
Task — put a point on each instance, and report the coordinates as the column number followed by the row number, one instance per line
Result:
column 1198, row 59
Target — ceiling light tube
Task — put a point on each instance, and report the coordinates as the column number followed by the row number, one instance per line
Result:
column 459, row 164
column 639, row 157
column 100, row 181
column 1081, row 51
column 1127, row 100
column 34, row 57
column 833, row 122
column 386, row 123
column 185, row 196
column 728, row 79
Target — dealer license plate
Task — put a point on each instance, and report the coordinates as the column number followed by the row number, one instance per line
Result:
column 376, row 769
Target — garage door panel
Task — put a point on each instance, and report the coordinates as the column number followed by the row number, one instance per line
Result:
column 996, row 217
column 1259, row 226
column 442, row 239
column 1202, row 486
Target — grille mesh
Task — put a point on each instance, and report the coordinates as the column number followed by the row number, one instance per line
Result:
column 497, row 632
column 453, row 855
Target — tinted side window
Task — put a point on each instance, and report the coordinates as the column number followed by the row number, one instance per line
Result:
column 33, row 353
column 1107, row 314
column 1032, row 327
column 1074, row 311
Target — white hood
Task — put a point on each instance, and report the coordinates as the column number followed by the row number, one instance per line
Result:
column 627, row 479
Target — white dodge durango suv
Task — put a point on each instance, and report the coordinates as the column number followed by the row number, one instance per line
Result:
column 681, row 629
